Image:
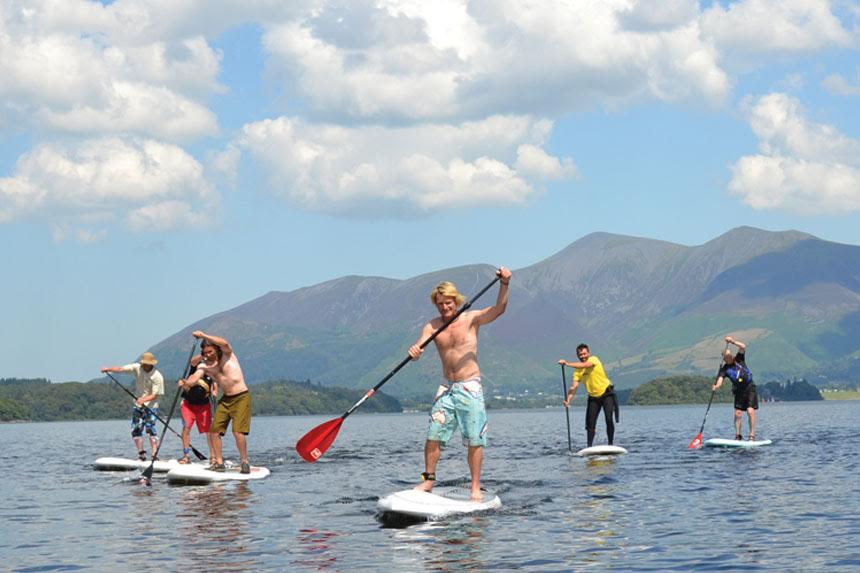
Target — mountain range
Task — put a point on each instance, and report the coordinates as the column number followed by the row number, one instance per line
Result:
column 647, row 308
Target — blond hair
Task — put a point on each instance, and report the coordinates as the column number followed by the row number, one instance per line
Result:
column 446, row 288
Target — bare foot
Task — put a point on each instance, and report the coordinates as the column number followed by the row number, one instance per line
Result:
column 477, row 496
column 425, row 486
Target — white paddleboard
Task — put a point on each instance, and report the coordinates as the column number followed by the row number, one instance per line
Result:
column 601, row 451
column 441, row 502
column 125, row 464
column 198, row 475
column 725, row 443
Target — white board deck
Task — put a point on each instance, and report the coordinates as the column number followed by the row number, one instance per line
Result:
column 125, row 464
column 601, row 451
column 725, row 443
column 441, row 502
column 198, row 475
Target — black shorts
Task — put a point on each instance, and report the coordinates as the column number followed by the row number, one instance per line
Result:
column 746, row 397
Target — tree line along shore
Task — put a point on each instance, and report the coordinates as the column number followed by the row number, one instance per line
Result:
column 39, row 400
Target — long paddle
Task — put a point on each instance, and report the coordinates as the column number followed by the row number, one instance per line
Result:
column 147, row 473
column 314, row 444
column 697, row 441
column 566, row 409
column 157, row 417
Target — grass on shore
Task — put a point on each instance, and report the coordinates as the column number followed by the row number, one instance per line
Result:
column 841, row 394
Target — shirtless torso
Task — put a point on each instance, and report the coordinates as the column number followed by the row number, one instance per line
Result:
column 227, row 373
column 458, row 347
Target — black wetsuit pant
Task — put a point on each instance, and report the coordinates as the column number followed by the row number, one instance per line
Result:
column 609, row 405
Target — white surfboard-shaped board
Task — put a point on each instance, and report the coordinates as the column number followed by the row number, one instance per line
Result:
column 125, row 464
column 726, row 443
column 440, row 503
column 601, row 451
column 199, row 475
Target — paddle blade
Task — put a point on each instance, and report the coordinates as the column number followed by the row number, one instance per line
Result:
column 200, row 456
column 147, row 474
column 315, row 443
column 696, row 443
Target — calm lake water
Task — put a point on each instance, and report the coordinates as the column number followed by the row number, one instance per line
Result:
column 791, row 506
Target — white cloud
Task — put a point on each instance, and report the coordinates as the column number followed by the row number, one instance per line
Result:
column 802, row 167
column 412, row 169
column 839, row 85
column 653, row 15
column 136, row 108
column 534, row 161
column 151, row 185
column 77, row 66
column 774, row 26
column 456, row 60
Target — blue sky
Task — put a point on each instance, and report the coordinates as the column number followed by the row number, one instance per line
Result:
column 162, row 161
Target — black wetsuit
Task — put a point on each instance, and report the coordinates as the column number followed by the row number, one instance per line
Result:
column 743, row 386
column 609, row 403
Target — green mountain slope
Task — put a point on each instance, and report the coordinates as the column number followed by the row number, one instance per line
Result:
column 647, row 308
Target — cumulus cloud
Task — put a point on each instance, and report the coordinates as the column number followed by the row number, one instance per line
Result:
column 764, row 27
column 67, row 66
column 802, row 167
column 430, row 61
column 840, row 85
column 413, row 169
column 83, row 188
column 403, row 105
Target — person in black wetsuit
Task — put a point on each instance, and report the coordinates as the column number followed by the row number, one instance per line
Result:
column 746, row 397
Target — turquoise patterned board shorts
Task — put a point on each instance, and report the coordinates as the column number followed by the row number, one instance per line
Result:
column 460, row 405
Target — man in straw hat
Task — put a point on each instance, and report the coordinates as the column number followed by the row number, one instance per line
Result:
column 149, row 385
column 459, row 402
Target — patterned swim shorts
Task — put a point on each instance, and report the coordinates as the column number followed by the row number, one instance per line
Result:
column 459, row 405
column 143, row 419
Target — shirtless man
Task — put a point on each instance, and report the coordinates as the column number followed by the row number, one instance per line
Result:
column 460, row 400
column 221, row 364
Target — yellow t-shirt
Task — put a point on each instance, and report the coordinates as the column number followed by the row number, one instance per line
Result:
column 595, row 379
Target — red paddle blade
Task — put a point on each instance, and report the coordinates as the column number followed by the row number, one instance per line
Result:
column 696, row 443
column 315, row 443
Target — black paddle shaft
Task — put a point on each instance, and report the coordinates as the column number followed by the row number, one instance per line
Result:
column 157, row 417
column 423, row 345
column 147, row 473
column 566, row 409
column 713, row 391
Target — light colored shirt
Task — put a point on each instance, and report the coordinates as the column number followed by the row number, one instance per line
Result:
column 146, row 383
column 595, row 379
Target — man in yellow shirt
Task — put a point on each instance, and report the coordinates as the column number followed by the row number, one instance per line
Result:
column 601, row 394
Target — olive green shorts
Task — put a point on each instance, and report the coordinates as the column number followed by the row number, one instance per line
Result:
column 236, row 408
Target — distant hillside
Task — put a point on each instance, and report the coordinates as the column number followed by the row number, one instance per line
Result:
column 691, row 389
column 40, row 401
column 647, row 308
column 684, row 389
column 789, row 391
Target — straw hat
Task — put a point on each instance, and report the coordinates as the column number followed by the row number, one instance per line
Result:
column 148, row 358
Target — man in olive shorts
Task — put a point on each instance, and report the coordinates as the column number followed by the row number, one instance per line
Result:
column 460, row 400
column 220, row 364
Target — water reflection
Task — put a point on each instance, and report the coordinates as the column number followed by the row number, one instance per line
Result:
column 441, row 546
column 598, row 516
column 316, row 552
column 213, row 528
